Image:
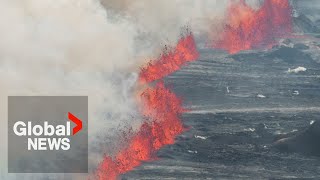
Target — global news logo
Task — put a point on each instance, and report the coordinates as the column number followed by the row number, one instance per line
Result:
column 47, row 134
column 56, row 136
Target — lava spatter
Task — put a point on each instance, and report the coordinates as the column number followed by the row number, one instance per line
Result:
column 162, row 110
column 247, row 28
column 171, row 61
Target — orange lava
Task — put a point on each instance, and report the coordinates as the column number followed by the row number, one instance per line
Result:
column 248, row 28
column 162, row 109
column 184, row 52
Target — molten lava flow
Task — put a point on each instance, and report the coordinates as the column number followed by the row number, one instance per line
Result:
column 248, row 28
column 170, row 62
column 162, row 109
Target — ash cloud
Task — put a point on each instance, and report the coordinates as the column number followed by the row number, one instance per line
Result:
column 69, row 48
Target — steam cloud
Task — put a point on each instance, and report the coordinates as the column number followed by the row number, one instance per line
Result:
column 88, row 47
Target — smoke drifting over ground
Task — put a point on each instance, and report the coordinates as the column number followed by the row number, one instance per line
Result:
column 69, row 48
column 84, row 47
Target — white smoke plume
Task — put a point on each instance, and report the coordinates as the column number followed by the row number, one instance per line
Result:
column 91, row 48
column 68, row 47
column 162, row 20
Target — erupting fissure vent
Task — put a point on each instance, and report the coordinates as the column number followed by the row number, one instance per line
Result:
column 161, row 107
column 248, row 28
column 184, row 52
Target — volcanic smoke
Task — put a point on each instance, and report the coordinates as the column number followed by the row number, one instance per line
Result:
column 248, row 28
column 162, row 109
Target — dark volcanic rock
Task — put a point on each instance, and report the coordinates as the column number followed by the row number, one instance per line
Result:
column 306, row 142
column 304, row 25
column 301, row 46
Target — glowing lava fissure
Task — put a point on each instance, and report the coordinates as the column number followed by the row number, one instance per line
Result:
column 162, row 109
column 248, row 28
column 169, row 62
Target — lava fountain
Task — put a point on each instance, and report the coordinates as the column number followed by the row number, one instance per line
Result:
column 171, row 61
column 161, row 108
column 247, row 28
